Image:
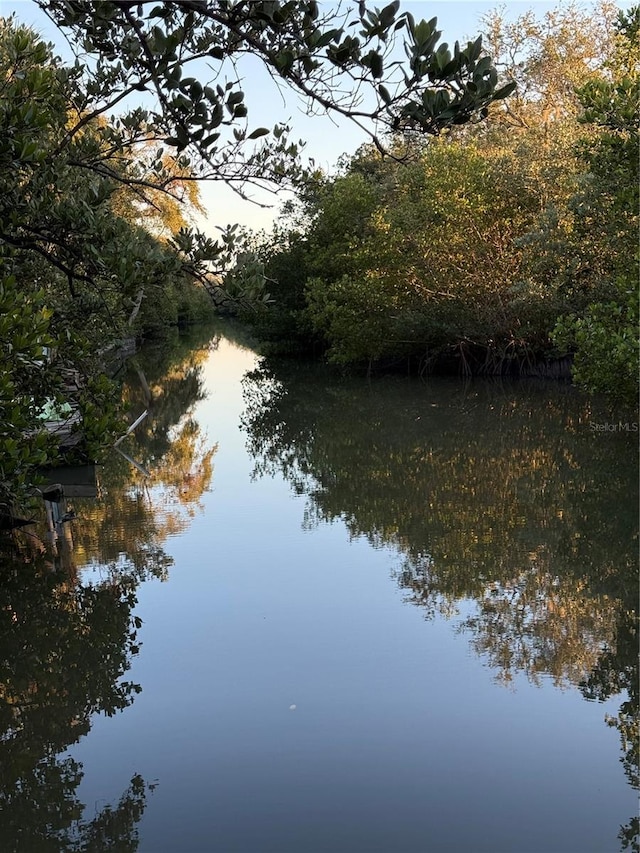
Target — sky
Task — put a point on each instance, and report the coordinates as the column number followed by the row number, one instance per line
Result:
column 326, row 140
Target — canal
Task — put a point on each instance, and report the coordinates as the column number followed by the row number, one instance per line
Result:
column 338, row 615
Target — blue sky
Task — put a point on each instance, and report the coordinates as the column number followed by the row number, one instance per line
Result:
column 325, row 139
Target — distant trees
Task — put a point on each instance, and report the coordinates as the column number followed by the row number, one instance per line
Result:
column 433, row 270
column 476, row 243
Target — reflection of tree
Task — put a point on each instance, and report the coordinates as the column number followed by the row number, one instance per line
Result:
column 473, row 482
column 64, row 649
column 66, row 644
column 540, row 624
column 142, row 511
column 617, row 672
column 500, row 496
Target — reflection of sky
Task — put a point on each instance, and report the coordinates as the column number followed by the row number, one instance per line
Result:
column 326, row 140
column 399, row 742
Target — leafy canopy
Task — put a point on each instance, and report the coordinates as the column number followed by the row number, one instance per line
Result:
column 340, row 62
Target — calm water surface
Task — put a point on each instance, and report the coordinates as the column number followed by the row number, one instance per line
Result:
column 338, row 616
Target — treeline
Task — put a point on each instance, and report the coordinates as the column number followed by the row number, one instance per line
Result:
column 90, row 253
column 496, row 247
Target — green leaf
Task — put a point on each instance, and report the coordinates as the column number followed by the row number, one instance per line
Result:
column 326, row 38
column 235, row 98
column 388, row 14
column 376, row 65
column 505, row 91
column 475, row 49
column 384, row 94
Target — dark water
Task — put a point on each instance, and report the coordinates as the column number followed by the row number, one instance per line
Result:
column 339, row 615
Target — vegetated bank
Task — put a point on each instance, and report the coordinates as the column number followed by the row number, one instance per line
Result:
column 508, row 246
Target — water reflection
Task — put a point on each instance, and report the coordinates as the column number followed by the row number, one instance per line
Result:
column 494, row 494
column 67, row 638
column 65, row 647
column 135, row 513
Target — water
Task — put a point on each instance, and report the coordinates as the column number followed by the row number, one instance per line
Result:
column 385, row 617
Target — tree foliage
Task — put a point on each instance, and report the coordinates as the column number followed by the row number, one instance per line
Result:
column 605, row 226
column 435, row 268
column 96, row 158
column 327, row 58
column 468, row 248
column 25, row 385
column 77, row 272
